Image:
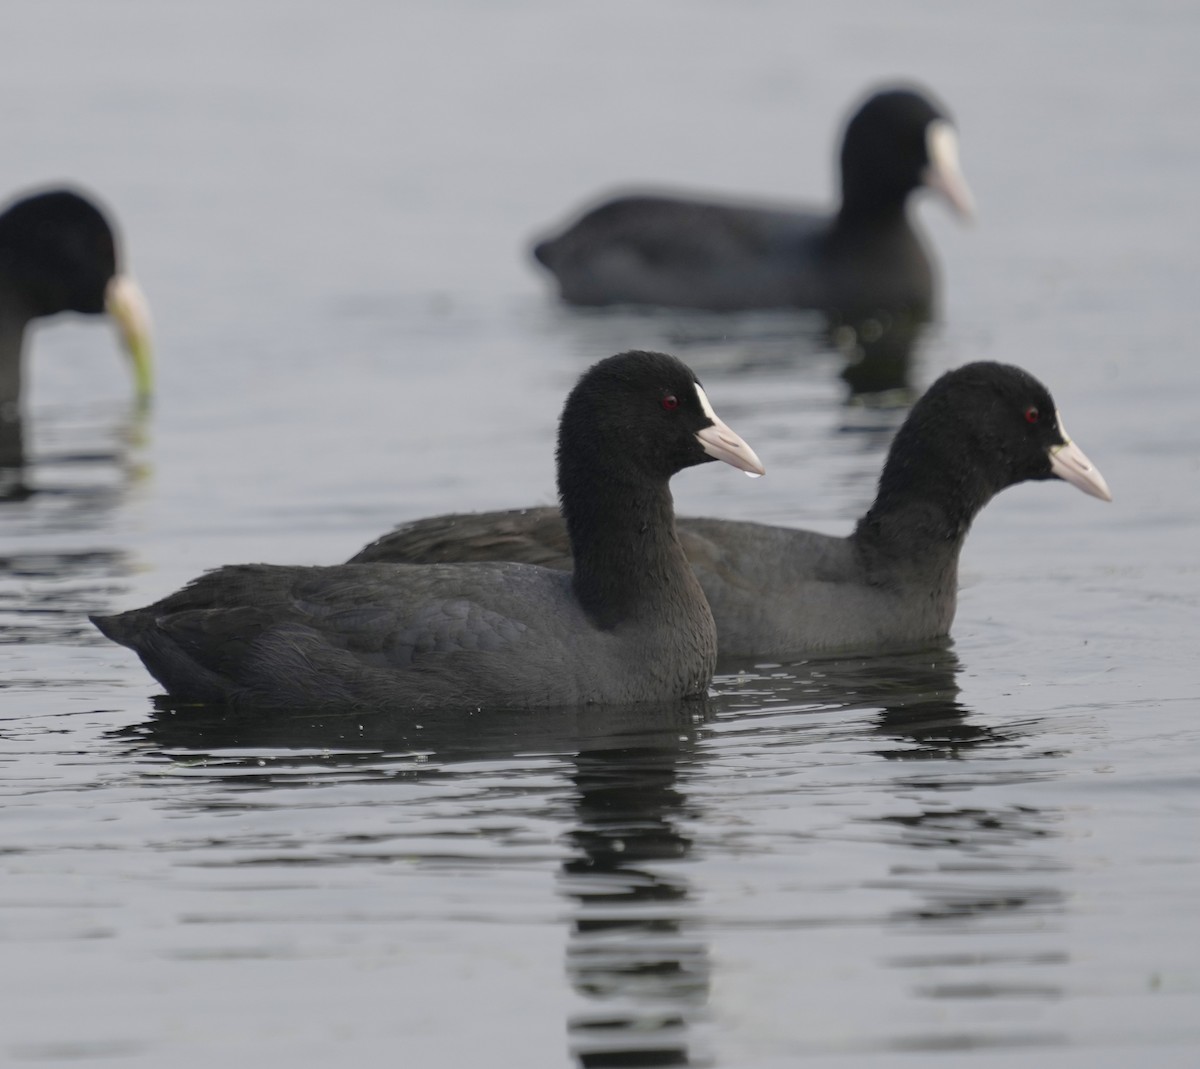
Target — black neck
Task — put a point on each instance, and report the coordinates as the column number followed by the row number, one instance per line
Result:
column 929, row 494
column 628, row 560
column 871, row 211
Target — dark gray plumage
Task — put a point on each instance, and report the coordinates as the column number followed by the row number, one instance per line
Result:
column 629, row 624
column 775, row 591
column 695, row 253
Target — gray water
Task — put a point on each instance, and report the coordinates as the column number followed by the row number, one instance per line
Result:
column 981, row 854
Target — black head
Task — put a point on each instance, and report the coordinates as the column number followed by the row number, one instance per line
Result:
column 59, row 251
column 983, row 427
column 895, row 142
column 641, row 417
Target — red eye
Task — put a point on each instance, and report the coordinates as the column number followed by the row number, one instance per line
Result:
column 670, row 402
column 1031, row 415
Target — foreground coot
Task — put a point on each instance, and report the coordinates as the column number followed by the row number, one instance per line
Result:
column 629, row 624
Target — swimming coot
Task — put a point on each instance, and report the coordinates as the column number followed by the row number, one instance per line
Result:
column 629, row 624
column 775, row 591
column 861, row 260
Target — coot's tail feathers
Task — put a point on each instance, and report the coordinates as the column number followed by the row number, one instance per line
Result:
column 115, row 627
column 543, row 252
column 165, row 659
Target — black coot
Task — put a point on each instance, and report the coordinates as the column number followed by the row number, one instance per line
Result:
column 863, row 259
column 629, row 624
column 58, row 253
column 775, row 591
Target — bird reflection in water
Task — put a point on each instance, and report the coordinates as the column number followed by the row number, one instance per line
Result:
column 878, row 347
column 637, row 950
column 879, row 351
column 631, row 948
column 85, row 467
column 634, row 945
column 968, row 869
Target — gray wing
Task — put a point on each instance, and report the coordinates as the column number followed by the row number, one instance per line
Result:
column 530, row 536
